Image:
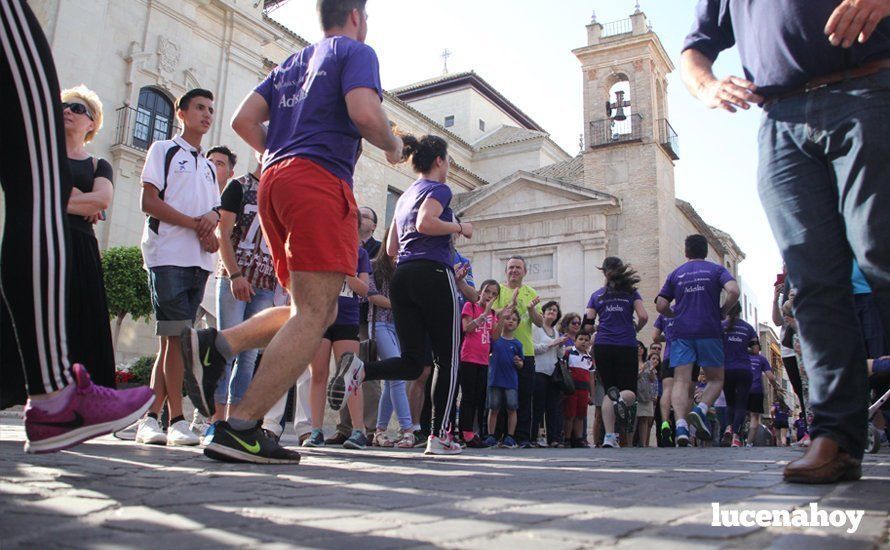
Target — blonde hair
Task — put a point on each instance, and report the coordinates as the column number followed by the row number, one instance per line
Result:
column 93, row 103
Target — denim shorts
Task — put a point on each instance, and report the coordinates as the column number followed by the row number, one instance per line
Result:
column 499, row 398
column 176, row 293
column 704, row 352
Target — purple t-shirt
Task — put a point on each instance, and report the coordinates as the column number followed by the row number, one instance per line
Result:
column 615, row 310
column 666, row 326
column 735, row 344
column 759, row 365
column 306, row 96
column 348, row 302
column 414, row 245
column 695, row 288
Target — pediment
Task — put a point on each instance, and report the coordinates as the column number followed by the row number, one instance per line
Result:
column 524, row 193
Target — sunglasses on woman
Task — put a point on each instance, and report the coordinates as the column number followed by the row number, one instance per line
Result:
column 78, row 109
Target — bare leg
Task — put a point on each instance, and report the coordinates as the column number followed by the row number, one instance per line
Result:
column 597, row 436
column 492, row 421
column 417, row 393
column 627, row 397
column 711, row 393
column 319, row 368
column 288, row 353
column 645, row 427
column 157, row 379
column 173, row 375
column 511, row 423
column 753, row 425
column 259, row 330
column 680, row 396
column 665, row 403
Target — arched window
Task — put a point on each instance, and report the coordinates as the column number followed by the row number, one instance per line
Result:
column 154, row 118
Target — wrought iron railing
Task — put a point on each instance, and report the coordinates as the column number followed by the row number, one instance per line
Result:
column 624, row 26
column 608, row 131
column 668, row 139
column 139, row 128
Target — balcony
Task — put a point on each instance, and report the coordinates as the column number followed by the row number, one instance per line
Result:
column 668, row 139
column 623, row 26
column 137, row 129
column 609, row 132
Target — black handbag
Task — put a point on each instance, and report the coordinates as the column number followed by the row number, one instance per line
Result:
column 367, row 349
column 562, row 377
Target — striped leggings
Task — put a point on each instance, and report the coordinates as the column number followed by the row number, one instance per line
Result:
column 424, row 306
column 36, row 183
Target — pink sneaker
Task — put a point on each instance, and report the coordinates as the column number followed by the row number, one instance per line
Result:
column 91, row 412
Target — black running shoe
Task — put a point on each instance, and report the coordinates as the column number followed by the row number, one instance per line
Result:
column 204, row 366
column 252, row 445
column 726, row 440
column 667, row 435
column 621, row 409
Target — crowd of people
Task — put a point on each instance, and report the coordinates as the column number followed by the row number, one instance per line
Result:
column 300, row 276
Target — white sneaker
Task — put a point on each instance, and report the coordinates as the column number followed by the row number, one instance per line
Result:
column 542, row 442
column 611, row 441
column 437, row 446
column 199, row 425
column 149, row 432
column 180, row 434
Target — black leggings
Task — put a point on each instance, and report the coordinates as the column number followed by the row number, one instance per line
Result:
column 736, row 389
column 793, row 371
column 473, row 386
column 36, row 181
column 424, row 307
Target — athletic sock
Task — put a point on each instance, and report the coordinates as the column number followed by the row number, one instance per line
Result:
column 54, row 404
column 702, row 408
column 223, row 347
column 682, row 423
column 177, row 419
column 241, row 425
column 152, row 415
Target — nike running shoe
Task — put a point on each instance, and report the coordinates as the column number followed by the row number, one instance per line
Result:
column 346, row 380
column 251, row 445
column 682, row 436
column 358, row 441
column 667, row 435
column 204, row 366
column 91, row 411
column 702, row 426
column 316, row 439
column 509, row 443
column 442, row 446
column 149, row 432
column 610, row 441
column 736, row 442
column 490, row 441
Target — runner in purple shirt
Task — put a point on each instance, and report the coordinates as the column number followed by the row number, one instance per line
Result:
column 737, row 334
column 694, row 288
column 759, row 366
column 423, row 292
column 615, row 347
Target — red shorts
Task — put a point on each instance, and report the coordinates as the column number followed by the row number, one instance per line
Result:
column 309, row 218
column 575, row 405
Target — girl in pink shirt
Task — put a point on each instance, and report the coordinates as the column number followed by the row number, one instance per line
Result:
column 481, row 327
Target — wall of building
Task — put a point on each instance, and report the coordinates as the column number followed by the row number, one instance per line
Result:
column 467, row 106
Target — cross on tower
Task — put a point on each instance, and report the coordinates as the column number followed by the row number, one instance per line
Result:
column 446, row 53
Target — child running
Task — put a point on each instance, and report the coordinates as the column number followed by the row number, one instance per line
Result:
column 503, row 379
column 481, row 327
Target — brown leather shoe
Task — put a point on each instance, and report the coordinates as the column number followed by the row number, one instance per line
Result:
column 823, row 462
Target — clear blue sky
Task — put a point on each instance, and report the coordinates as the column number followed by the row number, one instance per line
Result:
column 524, row 49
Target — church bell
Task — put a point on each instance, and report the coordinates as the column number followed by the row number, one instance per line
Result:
column 618, row 107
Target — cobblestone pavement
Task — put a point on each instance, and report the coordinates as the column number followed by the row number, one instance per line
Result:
column 114, row 493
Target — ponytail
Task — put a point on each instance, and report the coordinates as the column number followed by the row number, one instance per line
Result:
column 423, row 152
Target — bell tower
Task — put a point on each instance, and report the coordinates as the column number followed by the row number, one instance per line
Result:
column 629, row 145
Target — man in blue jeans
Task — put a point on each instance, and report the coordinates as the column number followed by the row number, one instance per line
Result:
column 821, row 71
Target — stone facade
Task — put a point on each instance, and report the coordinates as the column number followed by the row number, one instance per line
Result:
column 522, row 191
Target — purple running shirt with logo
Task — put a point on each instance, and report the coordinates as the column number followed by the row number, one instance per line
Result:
column 414, row 245
column 615, row 310
column 695, row 288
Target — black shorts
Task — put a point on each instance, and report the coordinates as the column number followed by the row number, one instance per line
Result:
column 339, row 333
column 668, row 372
column 617, row 366
column 779, row 425
column 755, row 403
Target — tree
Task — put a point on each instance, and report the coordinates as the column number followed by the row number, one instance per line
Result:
column 126, row 284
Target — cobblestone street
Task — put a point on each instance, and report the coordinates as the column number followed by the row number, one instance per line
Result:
column 114, row 493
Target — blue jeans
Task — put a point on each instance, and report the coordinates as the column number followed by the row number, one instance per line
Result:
column 823, row 176
column 231, row 312
column 394, row 395
column 176, row 293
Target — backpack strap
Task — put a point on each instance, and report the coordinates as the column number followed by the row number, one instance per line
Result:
column 154, row 223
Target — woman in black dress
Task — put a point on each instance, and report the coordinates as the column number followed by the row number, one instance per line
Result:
column 89, row 339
